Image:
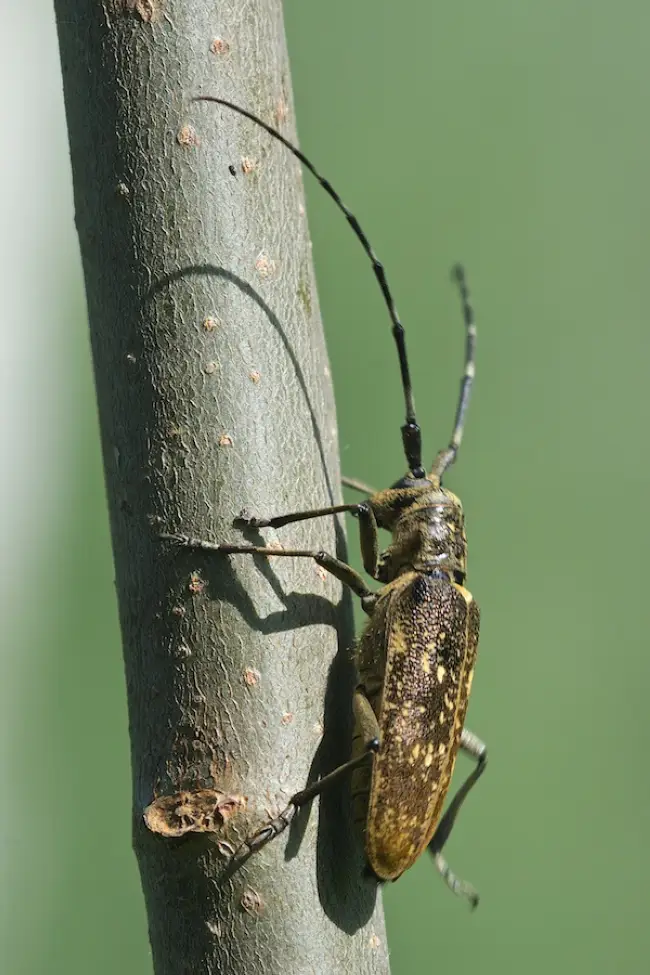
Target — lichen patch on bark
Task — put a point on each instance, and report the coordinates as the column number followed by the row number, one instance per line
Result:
column 147, row 10
column 205, row 811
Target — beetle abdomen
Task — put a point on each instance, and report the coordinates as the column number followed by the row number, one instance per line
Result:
column 431, row 636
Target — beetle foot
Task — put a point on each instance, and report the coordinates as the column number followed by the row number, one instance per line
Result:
column 246, row 520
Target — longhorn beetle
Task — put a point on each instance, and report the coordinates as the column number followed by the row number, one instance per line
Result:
column 416, row 655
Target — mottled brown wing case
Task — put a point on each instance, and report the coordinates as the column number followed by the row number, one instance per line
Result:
column 431, row 639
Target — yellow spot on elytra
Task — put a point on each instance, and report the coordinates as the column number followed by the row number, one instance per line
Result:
column 448, row 702
column 442, row 749
column 442, row 717
column 440, row 673
column 398, row 644
column 470, row 678
column 426, row 666
column 416, row 751
column 428, row 758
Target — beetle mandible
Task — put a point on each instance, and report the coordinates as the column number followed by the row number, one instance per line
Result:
column 417, row 652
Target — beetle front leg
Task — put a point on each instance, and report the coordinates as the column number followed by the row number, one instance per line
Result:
column 475, row 748
column 278, row 825
column 280, row 521
column 369, row 537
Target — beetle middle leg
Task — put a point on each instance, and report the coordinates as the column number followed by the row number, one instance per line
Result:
column 366, row 728
column 339, row 569
column 475, row 748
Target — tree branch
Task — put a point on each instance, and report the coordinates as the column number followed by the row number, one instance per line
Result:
column 214, row 396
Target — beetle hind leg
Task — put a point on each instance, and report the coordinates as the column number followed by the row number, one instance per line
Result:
column 457, row 886
column 475, row 748
column 278, row 825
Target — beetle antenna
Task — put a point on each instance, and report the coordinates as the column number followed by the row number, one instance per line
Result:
column 411, row 436
column 447, row 456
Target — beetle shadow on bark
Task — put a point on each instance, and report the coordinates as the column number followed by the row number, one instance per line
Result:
column 346, row 892
column 347, row 895
column 211, row 270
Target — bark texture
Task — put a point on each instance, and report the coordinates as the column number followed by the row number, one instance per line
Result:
column 214, row 396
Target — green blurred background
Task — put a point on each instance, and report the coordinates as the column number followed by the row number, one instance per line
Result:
column 509, row 135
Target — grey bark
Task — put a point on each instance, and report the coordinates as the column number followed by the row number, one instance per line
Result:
column 214, row 396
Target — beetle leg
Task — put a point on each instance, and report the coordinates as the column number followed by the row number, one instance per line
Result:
column 280, row 823
column 367, row 526
column 278, row 522
column 339, row 569
column 366, row 728
column 355, row 485
column 369, row 539
column 475, row 748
